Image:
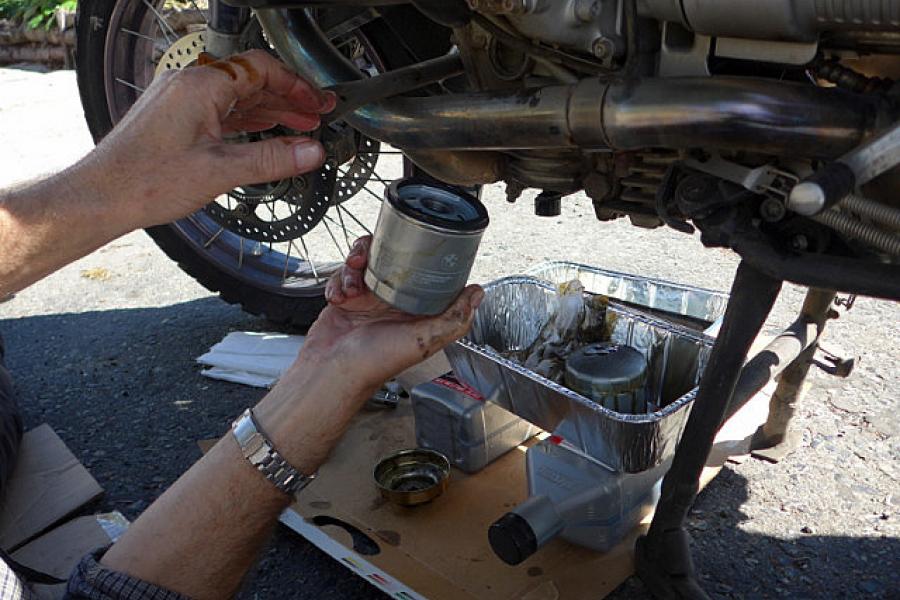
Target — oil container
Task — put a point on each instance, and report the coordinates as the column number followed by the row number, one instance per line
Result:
column 454, row 419
column 576, row 498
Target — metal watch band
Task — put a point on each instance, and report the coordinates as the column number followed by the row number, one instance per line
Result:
column 262, row 454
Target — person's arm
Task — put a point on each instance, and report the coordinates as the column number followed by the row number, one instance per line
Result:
column 162, row 162
column 200, row 537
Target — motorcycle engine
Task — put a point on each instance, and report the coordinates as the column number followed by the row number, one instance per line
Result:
column 591, row 27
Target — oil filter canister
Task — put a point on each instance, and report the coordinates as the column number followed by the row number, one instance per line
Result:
column 612, row 375
column 424, row 245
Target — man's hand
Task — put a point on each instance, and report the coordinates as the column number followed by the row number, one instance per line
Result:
column 169, row 157
column 357, row 343
column 358, row 327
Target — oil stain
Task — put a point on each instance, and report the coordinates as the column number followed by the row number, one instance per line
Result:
column 389, row 537
column 320, row 505
column 246, row 65
column 377, row 503
column 535, row 571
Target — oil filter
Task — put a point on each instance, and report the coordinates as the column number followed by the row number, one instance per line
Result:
column 424, row 245
column 612, row 375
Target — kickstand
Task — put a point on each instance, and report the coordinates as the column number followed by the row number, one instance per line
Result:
column 663, row 556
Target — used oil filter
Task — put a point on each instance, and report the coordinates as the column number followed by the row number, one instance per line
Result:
column 612, row 375
column 424, row 245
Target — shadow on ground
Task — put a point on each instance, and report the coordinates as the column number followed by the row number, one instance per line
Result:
column 122, row 389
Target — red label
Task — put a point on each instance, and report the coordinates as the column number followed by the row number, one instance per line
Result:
column 453, row 383
column 555, row 440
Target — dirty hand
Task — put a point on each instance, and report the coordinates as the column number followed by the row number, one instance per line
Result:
column 380, row 341
column 170, row 153
column 357, row 343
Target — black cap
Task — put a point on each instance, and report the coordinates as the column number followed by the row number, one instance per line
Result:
column 512, row 539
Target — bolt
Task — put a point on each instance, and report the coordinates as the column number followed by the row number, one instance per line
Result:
column 602, row 48
column 799, row 242
column 241, row 210
column 772, row 210
column 300, row 182
column 694, row 189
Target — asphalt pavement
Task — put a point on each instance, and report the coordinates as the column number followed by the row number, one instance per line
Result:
column 104, row 350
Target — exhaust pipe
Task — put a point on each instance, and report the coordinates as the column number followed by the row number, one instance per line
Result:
column 724, row 113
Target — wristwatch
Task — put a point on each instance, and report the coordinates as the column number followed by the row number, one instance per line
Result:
column 259, row 450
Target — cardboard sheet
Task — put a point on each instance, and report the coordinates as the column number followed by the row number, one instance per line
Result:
column 58, row 551
column 47, row 485
column 440, row 550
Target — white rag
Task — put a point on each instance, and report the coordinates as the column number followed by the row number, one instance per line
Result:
column 256, row 359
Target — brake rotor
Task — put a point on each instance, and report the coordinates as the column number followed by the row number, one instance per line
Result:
column 252, row 211
column 182, row 53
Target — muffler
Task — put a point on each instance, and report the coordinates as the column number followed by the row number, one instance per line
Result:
column 723, row 113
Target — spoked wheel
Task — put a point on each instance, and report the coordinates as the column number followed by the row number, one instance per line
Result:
column 268, row 247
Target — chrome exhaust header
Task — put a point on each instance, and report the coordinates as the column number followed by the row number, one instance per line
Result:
column 723, row 113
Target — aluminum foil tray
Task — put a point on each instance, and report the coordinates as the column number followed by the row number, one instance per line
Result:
column 512, row 315
column 705, row 306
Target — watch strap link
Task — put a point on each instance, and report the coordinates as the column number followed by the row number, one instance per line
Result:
column 261, row 453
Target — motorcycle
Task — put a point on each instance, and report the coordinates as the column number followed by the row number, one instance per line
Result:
column 769, row 126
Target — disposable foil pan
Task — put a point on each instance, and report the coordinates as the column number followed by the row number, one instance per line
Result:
column 702, row 305
column 512, row 315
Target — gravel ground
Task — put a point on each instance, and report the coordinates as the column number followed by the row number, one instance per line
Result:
column 109, row 364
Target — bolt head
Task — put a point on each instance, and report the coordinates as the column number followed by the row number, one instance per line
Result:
column 799, row 242
column 772, row 210
column 602, row 48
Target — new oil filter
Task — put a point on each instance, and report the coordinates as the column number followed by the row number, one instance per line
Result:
column 424, row 245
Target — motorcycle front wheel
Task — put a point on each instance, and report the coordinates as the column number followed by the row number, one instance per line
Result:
column 269, row 248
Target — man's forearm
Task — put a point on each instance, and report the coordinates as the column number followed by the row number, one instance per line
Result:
column 50, row 223
column 200, row 537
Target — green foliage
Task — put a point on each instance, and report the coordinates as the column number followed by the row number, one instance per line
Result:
column 34, row 13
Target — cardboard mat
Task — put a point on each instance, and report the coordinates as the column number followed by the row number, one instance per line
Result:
column 440, row 550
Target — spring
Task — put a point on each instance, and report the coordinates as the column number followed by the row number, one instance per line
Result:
column 854, row 228
column 885, row 215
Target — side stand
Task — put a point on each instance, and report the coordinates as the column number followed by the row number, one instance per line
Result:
column 663, row 556
column 773, row 441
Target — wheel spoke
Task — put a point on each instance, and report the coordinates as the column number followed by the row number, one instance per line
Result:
column 378, row 177
column 131, row 85
column 163, row 24
column 308, row 259
column 352, row 216
column 334, row 239
column 214, row 237
column 287, row 260
column 137, row 34
column 205, row 15
column 343, row 227
column 371, row 193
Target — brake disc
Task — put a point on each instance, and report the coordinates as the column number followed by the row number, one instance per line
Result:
column 257, row 212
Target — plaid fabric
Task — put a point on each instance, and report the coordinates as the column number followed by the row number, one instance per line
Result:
column 91, row 581
column 11, row 587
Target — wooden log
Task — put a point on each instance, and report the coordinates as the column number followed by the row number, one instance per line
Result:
column 18, row 43
column 32, row 53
